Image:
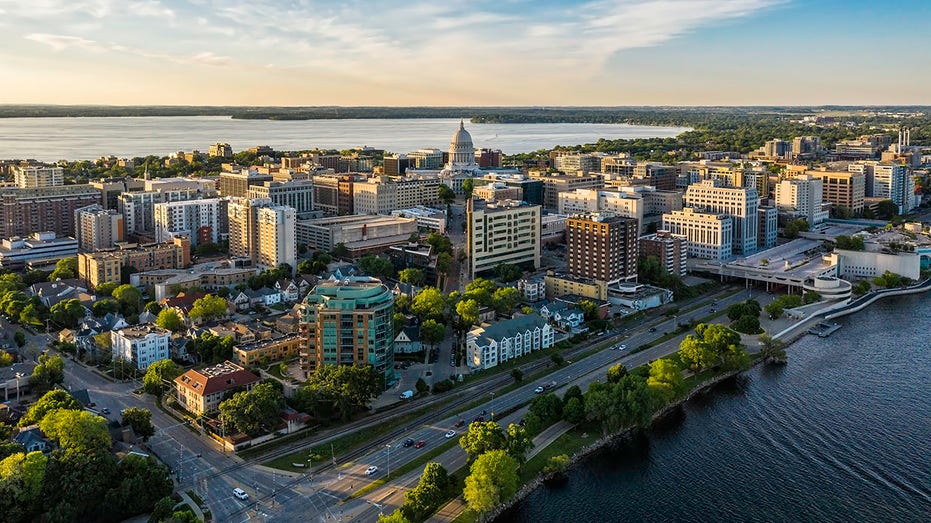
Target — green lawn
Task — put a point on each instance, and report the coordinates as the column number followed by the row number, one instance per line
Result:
column 405, row 468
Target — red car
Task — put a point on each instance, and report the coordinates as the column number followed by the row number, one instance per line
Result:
column 459, row 423
column 420, row 444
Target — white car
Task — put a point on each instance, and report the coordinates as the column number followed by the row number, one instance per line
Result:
column 538, row 390
column 240, row 493
column 622, row 347
column 450, row 434
column 371, row 470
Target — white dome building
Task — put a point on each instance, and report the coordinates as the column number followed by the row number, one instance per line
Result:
column 461, row 163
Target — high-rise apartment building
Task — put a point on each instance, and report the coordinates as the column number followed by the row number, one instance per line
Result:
column 502, row 232
column 843, row 189
column 34, row 177
column 199, row 220
column 602, row 246
column 888, row 181
column 138, row 208
column 710, row 235
column 220, row 150
column 263, row 232
column 740, row 203
column 349, row 322
column 25, row 211
column 236, row 184
column 801, row 197
column 671, row 250
column 397, row 165
column 97, row 228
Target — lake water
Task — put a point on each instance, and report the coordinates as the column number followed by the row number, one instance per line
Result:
column 52, row 139
column 841, row 433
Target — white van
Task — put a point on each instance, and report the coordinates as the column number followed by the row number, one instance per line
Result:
column 240, row 493
column 407, row 394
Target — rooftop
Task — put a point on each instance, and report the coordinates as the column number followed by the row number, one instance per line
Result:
column 508, row 328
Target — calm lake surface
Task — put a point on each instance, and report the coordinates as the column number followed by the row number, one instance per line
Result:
column 842, row 433
column 52, row 139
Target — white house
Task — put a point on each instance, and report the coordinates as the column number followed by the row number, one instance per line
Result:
column 142, row 345
column 289, row 290
column 505, row 340
column 563, row 314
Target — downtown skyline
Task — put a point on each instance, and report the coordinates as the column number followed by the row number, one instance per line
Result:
column 634, row 52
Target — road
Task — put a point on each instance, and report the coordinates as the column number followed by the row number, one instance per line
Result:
column 334, row 484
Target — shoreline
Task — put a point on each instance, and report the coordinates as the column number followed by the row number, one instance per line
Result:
column 789, row 336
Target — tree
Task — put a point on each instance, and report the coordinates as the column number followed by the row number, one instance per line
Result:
column 49, row 402
column 431, row 491
column 574, row 411
column 140, row 420
column 395, row 517
column 616, row 373
column 169, row 319
column 376, row 266
column 140, row 483
column 714, row 345
column 665, row 379
column 747, row 325
column 65, row 268
column 67, row 313
column 340, row 251
column 443, row 262
column 556, row 465
column 209, row 307
column 505, row 299
column 105, row 289
column 774, row 309
column 6, row 359
column 772, row 350
column 557, row 358
column 887, row 209
column 544, row 410
column 483, row 436
column 251, row 412
column 19, row 337
column 432, row 332
column 412, row 276
column 862, row 287
column 77, row 430
column 402, row 303
column 517, row 374
column 428, row 303
column 338, row 390
column 153, row 308
column 492, row 479
column 794, row 227
column 468, row 185
column 101, row 308
column 508, row 272
column 129, row 297
column 518, row 442
column 850, row 243
column 158, row 374
column 446, row 194
column 49, row 372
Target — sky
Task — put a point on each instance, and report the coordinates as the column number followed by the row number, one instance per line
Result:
column 465, row 52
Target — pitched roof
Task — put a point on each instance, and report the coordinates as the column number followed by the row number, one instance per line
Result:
column 217, row 378
column 508, row 328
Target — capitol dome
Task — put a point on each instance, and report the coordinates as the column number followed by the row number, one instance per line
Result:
column 461, row 150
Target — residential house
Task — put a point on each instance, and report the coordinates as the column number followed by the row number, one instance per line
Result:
column 182, row 303
column 269, row 350
column 564, row 315
column 33, row 439
column 533, row 288
column 201, row 391
column 142, row 345
column 241, row 301
column 408, row 341
column 487, row 346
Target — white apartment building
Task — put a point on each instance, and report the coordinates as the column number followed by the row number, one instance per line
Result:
column 802, row 196
column 888, row 181
column 710, row 235
column 740, row 203
column 141, row 345
column 626, row 203
column 502, row 232
column 376, row 196
column 33, row 177
column 138, row 208
column 487, row 346
column 199, row 220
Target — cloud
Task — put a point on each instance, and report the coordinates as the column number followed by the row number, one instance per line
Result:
column 62, row 42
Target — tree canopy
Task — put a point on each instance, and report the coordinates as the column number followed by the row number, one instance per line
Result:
column 50, row 401
column 252, row 412
column 713, row 345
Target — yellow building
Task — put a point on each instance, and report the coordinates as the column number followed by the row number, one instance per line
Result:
column 201, row 391
column 99, row 267
column 564, row 284
column 269, row 351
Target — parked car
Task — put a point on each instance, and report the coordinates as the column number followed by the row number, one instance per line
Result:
column 240, row 493
column 538, row 390
column 408, row 442
column 450, row 434
column 420, row 444
column 371, row 470
column 105, row 411
column 478, row 419
column 622, row 347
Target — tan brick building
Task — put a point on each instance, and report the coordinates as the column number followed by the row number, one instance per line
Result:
column 99, row 267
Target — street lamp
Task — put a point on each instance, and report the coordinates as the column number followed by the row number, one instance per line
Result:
column 388, row 446
column 492, row 406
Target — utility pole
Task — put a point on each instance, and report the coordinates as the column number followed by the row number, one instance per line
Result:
column 389, row 458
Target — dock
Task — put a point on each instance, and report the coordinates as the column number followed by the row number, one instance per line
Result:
column 824, row 329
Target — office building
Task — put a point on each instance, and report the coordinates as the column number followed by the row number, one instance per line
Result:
column 710, row 235
column 531, row 190
column 97, row 228
column 427, row 218
column 502, row 232
column 25, row 211
column 843, row 189
column 669, row 249
column 572, row 163
column 488, row 158
column 359, row 234
column 200, row 391
column 140, row 346
column 497, row 191
column 16, row 252
column 662, row 177
column 777, row 149
column 602, row 246
column 199, row 220
column 806, row 146
column 99, row 267
column 349, row 322
column 740, row 203
column 236, row 184
column 220, row 150
column 111, row 189
column 298, row 194
column 489, row 345
column 333, row 194
column 35, row 177
column 801, row 197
